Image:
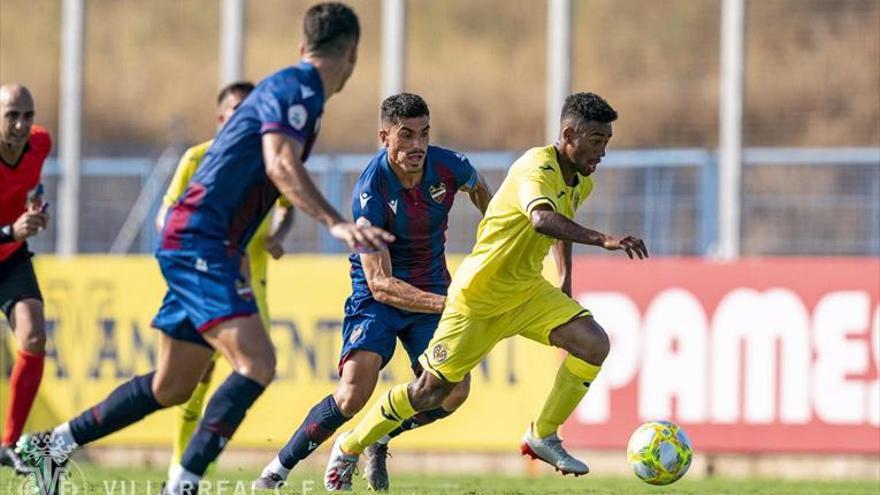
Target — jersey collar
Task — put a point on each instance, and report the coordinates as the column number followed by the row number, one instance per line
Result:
column 314, row 77
column 428, row 177
column 554, row 152
column 27, row 147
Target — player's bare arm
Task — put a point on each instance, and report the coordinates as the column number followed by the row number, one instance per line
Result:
column 480, row 193
column 562, row 255
column 553, row 224
column 392, row 291
column 282, row 222
column 284, row 168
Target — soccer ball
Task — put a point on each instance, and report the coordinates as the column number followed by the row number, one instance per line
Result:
column 659, row 452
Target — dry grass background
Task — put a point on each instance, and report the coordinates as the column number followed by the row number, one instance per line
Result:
column 813, row 69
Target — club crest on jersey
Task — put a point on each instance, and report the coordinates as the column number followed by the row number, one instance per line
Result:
column 439, row 353
column 438, row 192
column 297, row 117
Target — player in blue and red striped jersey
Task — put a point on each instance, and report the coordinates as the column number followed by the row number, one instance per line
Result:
column 258, row 153
column 408, row 188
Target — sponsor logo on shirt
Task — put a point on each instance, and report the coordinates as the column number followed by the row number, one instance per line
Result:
column 307, row 92
column 364, row 198
column 393, row 205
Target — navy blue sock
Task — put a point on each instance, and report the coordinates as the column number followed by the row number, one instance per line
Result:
column 225, row 411
column 420, row 419
column 319, row 425
column 126, row 405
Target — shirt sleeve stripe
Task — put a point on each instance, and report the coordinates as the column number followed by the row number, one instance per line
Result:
column 540, row 200
column 288, row 131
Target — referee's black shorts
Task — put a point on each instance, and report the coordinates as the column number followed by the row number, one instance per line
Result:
column 17, row 280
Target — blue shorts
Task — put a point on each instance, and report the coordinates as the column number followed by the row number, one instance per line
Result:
column 373, row 326
column 203, row 290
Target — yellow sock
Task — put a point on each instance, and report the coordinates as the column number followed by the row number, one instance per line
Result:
column 385, row 415
column 572, row 382
column 188, row 416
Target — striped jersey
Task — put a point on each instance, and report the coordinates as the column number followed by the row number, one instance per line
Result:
column 417, row 217
column 230, row 193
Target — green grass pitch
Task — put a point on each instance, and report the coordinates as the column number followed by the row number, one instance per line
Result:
column 107, row 481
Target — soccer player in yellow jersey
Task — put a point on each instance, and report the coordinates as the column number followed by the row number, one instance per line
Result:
column 499, row 292
column 266, row 241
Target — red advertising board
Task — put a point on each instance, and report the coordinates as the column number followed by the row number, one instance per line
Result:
column 765, row 355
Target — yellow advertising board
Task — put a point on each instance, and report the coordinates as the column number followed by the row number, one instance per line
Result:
column 99, row 308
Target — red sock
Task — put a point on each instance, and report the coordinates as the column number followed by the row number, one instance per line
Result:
column 23, row 384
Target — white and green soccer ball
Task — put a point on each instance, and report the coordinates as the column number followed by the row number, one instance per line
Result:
column 659, row 452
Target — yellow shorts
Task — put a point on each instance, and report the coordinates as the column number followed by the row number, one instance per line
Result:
column 461, row 342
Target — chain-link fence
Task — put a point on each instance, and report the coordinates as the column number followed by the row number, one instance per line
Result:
column 795, row 201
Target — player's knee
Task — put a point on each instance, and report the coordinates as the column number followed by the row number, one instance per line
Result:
column 171, row 393
column 597, row 344
column 29, row 324
column 260, row 370
column 34, row 342
column 584, row 339
column 351, row 400
column 458, row 395
column 428, row 392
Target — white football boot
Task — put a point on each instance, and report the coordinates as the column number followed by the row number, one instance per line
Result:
column 550, row 450
column 340, row 467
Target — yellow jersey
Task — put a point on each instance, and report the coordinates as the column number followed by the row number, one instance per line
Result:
column 505, row 267
column 189, row 162
column 256, row 250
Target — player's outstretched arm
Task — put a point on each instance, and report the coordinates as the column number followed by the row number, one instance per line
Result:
column 480, row 193
column 285, row 169
column 550, row 223
column 392, row 291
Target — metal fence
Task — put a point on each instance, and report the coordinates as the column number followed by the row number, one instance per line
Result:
column 794, row 201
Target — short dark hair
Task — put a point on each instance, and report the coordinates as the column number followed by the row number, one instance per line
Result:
column 403, row 106
column 580, row 108
column 330, row 29
column 239, row 88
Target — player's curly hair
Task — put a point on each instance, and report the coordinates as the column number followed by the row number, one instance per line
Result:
column 580, row 108
column 403, row 106
column 330, row 28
